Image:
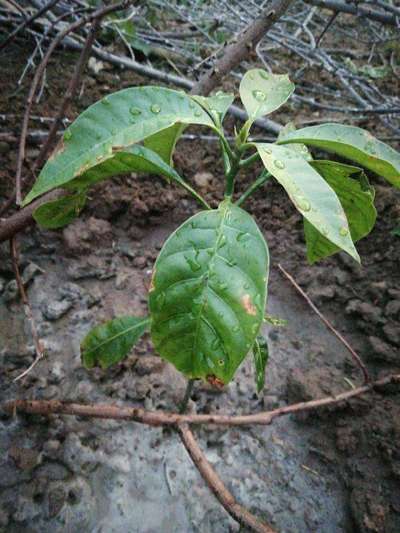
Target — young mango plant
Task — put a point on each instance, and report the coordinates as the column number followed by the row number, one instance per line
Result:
column 208, row 292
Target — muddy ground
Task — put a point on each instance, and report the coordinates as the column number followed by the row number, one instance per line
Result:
column 331, row 471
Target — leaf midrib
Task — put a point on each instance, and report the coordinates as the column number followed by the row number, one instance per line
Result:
column 111, row 339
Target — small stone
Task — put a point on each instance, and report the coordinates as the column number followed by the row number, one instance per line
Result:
column 139, row 262
column 56, row 500
column 10, row 291
column 322, row 293
column 24, row 458
column 80, row 236
column 393, row 308
column 382, row 351
column 54, row 310
column 392, row 333
column 149, row 365
column 203, row 179
column 369, row 312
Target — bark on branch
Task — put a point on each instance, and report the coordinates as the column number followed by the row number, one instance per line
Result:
column 354, row 9
column 160, row 418
column 226, row 499
column 233, row 55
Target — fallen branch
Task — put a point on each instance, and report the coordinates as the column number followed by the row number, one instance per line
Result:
column 226, row 499
column 237, row 51
column 27, row 22
column 160, row 418
column 71, row 91
column 23, row 218
column 353, row 353
column 38, row 75
column 354, row 9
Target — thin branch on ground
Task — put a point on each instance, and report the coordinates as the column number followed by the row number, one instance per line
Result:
column 226, row 499
column 28, row 21
column 161, row 418
column 38, row 75
column 353, row 353
column 71, row 91
column 39, row 350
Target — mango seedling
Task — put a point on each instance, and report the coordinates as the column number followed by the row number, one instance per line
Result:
column 208, row 292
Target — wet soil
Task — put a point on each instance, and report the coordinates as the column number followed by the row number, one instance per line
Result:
column 335, row 471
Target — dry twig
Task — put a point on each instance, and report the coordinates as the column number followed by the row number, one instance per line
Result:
column 161, row 418
column 27, row 308
column 38, row 75
column 353, row 353
column 226, row 499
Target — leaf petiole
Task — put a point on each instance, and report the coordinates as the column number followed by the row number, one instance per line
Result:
column 262, row 178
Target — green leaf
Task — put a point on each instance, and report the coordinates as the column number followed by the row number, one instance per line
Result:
column 218, row 103
column 352, row 143
column 207, row 296
column 301, row 149
column 112, row 124
column 262, row 92
column 310, row 193
column 60, row 212
column 108, row 343
column 260, row 354
column 357, row 201
column 164, row 142
column 135, row 158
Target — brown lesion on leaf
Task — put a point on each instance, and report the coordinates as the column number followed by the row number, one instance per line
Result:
column 58, row 149
column 215, row 382
column 248, row 305
column 152, row 286
column 117, row 149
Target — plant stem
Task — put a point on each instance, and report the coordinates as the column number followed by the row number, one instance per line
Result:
column 262, row 178
column 230, row 178
column 186, row 398
column 249, row 160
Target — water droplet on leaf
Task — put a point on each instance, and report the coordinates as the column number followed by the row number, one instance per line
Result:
column 105, row 101
column 155, row 108
column 197, row 113
column 194, row 265
column 221, row 362
column 279, row 164
column 135, row 111
column 343, row 231
column 260, row 96
column 264, row 75
column 67, row 135
column 302, row 203
column 242, row 236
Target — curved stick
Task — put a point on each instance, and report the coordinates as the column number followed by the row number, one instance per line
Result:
column 225, row 498
column 160, row 418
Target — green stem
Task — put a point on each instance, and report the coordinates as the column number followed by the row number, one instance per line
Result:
column 262, row 178
column 230, row 178
column 250, row 160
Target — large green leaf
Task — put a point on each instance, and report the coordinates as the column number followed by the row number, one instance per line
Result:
column 260, row 355
column 115, row 122
column 108, row 343
column 352, row 143
column 357, row 201
column 164, row 142
column 60, row 212
column 207, row 296
column 262, row 92
column 310, row 193
column 135, row 158
column 216, row 104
